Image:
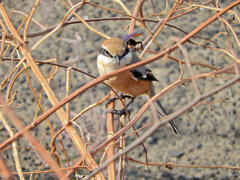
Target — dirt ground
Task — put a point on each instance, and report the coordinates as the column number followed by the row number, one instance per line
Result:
column 209, row 132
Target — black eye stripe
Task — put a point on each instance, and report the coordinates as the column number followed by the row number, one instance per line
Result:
column 105, row 52
column 125, row 52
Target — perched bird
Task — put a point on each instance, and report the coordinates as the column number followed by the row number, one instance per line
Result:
column 115, row 54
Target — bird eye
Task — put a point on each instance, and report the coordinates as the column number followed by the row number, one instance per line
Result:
column 105, row 52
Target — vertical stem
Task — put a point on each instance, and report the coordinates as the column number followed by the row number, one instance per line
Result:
column 110, row 132
column 135, row 14
column 68, row 85
column 122, row 146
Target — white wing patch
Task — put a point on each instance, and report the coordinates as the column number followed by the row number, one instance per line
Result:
column 144, row 76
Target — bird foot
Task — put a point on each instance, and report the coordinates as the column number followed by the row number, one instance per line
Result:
column 116, row 98
column 120, row 112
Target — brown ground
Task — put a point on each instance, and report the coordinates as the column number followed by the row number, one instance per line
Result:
column 212, row 135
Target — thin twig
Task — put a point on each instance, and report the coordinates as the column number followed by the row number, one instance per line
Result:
column 30, row 19
column 171, row 165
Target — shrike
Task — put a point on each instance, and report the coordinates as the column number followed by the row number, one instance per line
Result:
column 115, row 54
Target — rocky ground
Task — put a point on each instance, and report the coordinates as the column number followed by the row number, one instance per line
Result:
column 209, row 137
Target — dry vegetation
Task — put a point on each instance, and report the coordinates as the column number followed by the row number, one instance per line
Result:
column 63, row 128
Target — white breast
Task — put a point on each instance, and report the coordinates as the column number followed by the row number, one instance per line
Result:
column 107, row 64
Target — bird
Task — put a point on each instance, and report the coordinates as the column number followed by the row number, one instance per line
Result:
column 115, row 54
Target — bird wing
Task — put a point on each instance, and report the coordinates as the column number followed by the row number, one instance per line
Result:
column 143, row 75
column 143, row 72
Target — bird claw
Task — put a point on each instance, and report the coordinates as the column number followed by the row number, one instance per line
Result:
column 115, row 98
column 120, row 112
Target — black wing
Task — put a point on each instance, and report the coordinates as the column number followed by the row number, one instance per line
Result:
column 143, row 75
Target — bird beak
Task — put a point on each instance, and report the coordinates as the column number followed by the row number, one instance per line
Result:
column 118, row 60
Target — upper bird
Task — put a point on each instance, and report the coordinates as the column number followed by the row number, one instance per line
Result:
column 115, row 54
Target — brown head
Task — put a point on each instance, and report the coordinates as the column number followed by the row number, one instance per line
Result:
column 114, row 48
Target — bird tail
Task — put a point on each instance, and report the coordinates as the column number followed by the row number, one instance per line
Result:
column 161, row 113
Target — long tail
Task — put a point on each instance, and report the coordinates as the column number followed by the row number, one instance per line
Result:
column 164, row 113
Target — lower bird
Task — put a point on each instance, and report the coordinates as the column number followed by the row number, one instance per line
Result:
column 115, row 54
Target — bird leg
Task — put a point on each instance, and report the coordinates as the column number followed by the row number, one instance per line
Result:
column 116, row 98
column 121, row 111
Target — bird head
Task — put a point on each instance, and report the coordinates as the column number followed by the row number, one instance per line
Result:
column 117, row 50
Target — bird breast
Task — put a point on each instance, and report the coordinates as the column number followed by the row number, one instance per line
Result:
column 108, row 64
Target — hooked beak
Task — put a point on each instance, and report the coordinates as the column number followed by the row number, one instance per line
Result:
column 118, row 60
